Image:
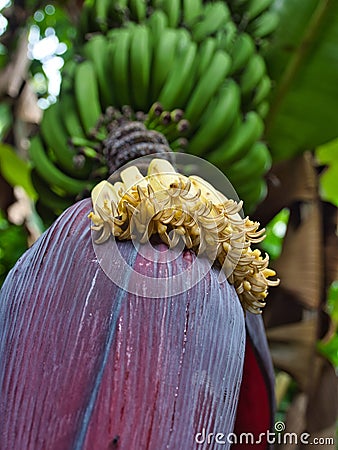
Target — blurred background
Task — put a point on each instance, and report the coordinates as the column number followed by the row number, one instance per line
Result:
column 284, row 59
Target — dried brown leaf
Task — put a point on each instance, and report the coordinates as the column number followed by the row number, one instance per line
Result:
column 292, row 348
column 300, row 266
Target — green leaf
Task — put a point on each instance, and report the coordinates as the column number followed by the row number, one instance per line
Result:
column 303, row 61
column 328, row 153
column 328, row 184
column 15, row 170
column 275, row 232
column 330, row 349
column 328, row 187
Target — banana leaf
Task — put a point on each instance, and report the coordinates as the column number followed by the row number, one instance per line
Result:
column 303, row 62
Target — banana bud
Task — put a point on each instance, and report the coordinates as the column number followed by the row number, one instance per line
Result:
column 190, row 209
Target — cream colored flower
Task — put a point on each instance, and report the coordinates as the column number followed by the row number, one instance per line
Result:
column 177, row 207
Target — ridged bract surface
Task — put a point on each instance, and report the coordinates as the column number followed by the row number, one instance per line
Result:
column 85, row 365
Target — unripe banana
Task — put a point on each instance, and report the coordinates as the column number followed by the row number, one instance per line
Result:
column 256, row 7
column 226, row 37
column 215, row 16
column 87, row 95
column 97, row 50
column 51, row 174
column 238, row 141
column 55, row 137
column 157, row 22
column 207, row 86
column 69, row 115
column 180, row 74
column 138, row 9
column 192, row 10
column 253, row 74
column 140, row 63
column 163, row 60
column 120, row 67
column 254, row 165
column 172, row 9
column 262, row 91
column 101, row 13
column 264, row 25
column 217, row 119
column 242, row 51
column 47, row 196
column 252, row 192
column 263, row 109
column 206, row 52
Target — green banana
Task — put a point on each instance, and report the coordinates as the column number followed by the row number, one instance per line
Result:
column 118, row 13
column 157, row 22
column 192, row 10
column 87, row 95
column 172, row 9
column 253, row 74
column 140, row 63
column 256, row 7
column 255, row 163
column 215, row 16
column 226, row 37
column 50, row 173
column 206, row 52
column 47, row 196
column 84, row 23
column 207, row 86
column 180, row 74
column 263, row 109
column 68, row 72
column 120, row 4
column 71, row 122
column 138, row 9
column 120, row 67
column 264, row 24
column 217, row 119
column 252, row 193
column 164, row 58
column 101, row 13
column 68, row 115
column 111, row 48
column 96, row 50
column 262, row 90
column 240, row 139
column 55, row 137
column 243, row 49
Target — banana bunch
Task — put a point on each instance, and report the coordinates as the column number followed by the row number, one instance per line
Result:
column 199, row 16
column 206, row 80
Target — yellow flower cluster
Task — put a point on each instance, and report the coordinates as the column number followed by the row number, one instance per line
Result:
column 177, row 207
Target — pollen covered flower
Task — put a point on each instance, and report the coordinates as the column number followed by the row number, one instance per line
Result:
column 177, row 207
